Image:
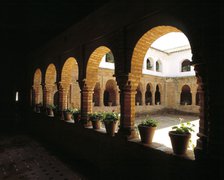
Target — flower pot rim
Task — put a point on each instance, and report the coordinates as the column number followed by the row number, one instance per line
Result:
column 147, row 126
column 178, row 134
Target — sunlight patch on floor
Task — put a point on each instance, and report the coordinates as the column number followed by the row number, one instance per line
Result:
column 161, row 135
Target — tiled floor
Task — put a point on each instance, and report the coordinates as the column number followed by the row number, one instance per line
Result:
column 21, row 157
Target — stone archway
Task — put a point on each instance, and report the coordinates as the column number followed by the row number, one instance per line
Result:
column 91, row 79
column 93, row 65
column 158, row 95
column 186, row 96
column 37, row 87
column 50, row 84
column 96, row 94
column 110, row 93
column 70, row 91
column 148, row 94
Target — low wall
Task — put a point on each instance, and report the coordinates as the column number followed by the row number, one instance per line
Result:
column 110, row 157
column 148, row 109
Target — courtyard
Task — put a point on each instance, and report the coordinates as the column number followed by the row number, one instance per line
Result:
column 166, row 122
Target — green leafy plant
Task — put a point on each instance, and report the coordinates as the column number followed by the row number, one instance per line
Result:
column 96, row 116
column 51, row 106
column 183, row 128
column 70, row 110
column 111, row 116
column 149, row 122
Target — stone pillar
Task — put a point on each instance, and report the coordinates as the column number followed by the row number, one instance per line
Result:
column 153, row 97
column 193, row 94
column 63, row 96
column 143, row 98
column 201, row 148
column 127, row 109
column 49, row 94
column 117, row 98
column 101, row 104
column 178, row 97
column 44, row 95
column 86, row 104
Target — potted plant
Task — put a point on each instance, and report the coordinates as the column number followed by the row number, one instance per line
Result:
column 68, row 113
column 147, row 130
column 110, row 120
column 77, row 115
column 50, row 109
column 96, row 119
column 38, row 107
column 180, row 137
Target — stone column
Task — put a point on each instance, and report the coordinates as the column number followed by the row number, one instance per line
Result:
column 49, row 93
column 201, row 148
column 101, row 97
column 143, row 98
column 117, row 98
column 193, row 94
column 86, row 103
column 127, row 108
column 153, row 97
column 178, row 97
column 44, row 95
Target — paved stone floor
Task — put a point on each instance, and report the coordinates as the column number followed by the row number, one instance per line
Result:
column 23, row 158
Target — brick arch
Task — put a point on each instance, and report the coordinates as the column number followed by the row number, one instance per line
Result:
column 37, row 87
column 143, row 45
column 110, row 92
column 37, row 79
column 93, row 65
column 51, row 74
column 70, row 71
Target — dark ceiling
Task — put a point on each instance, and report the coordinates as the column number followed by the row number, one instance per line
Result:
column 26, row 25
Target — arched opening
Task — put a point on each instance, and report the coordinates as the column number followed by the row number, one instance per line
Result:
column 158, row 66
column 37, row 81
column 138, row 96
column 96, row 94
column 110, row 93
column 157, row 96
column 149, row 63
column 186, row 66
column 186, row 97
column 50, row 84
column 69, row 83
column 166, row 77
column 98, row 59
column 148, row 94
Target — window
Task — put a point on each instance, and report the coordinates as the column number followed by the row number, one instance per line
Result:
column 109, row 57
column 17, row 96
column 149, row 63
column 186, row 66
column 158, row 66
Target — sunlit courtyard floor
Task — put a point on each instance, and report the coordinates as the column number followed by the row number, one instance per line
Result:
column 166, row 121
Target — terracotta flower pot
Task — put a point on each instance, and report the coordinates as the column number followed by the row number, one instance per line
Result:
column 96, row 124
column 111, row 127
column 68, row 116
column 179, row 142
column 146, row 134
column 50, row 112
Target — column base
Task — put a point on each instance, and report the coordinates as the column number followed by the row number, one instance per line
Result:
column 128, row 133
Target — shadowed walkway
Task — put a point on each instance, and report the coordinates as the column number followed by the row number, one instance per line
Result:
column 21, row 157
